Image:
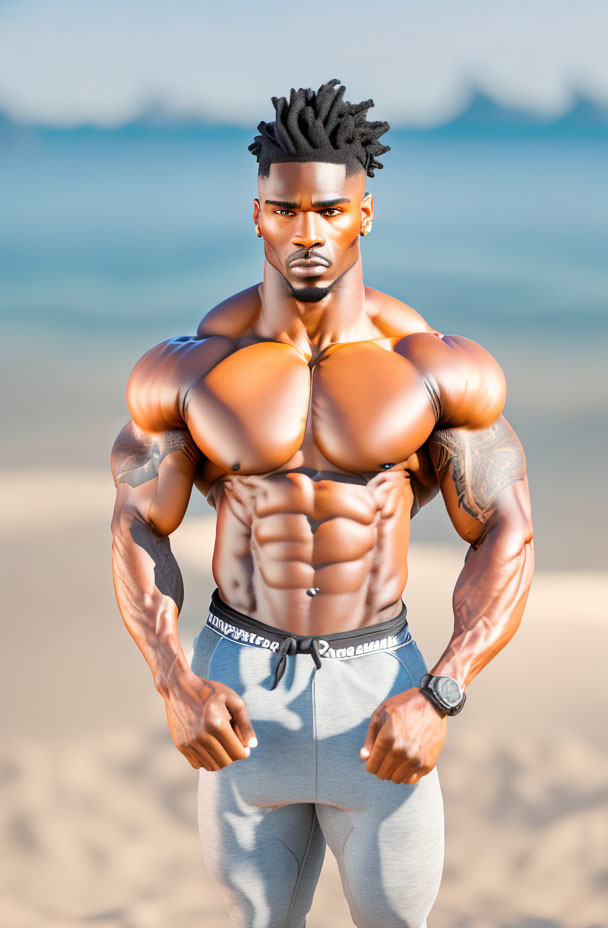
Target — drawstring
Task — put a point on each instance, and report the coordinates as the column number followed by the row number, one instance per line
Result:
column 290, row 645
column 311, row 646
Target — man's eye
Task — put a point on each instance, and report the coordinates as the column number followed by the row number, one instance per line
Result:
column 330, row 211
column 283, row 212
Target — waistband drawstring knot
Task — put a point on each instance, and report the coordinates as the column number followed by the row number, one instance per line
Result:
column 292, row 645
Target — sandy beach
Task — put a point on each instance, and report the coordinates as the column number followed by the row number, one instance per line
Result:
column 99, row 810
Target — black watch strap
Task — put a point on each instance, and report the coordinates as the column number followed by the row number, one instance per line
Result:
column 429, row 691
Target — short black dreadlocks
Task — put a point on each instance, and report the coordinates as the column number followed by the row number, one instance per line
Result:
column 320, row 126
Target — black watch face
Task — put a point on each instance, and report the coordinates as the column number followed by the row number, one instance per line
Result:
column 449, row 691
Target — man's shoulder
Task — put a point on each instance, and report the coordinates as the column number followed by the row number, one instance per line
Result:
column 466, row 382
column 233, row 317
column 160, row 379
column 393, row 317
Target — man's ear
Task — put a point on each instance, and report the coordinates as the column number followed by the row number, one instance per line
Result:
column 256, row 216
column 367, row 208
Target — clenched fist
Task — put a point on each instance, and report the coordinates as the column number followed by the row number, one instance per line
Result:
column 405, row 736
column 209, row 723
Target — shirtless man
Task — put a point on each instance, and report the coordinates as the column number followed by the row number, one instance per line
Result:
column 317, row 416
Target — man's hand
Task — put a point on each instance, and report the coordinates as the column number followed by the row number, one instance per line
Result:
column 209, row 723
column 405, row 736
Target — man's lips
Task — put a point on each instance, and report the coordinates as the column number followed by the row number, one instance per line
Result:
column 309, row 267
column 309, row 262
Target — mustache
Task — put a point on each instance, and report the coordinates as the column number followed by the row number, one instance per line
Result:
column 308, row 254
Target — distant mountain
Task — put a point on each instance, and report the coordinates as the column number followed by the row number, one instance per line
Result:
column 155, row 119
column 584, row 114
column 483, row 112
column 157, row 116
column 8, row 126
column 161, row 121
column 481, row 115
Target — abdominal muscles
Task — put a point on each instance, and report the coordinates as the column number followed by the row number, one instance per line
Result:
column 282, row 537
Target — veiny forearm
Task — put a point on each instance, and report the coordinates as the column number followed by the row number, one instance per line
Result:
column 489, row 599
column 149, row 591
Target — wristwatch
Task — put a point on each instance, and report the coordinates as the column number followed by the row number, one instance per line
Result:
column 443, row 692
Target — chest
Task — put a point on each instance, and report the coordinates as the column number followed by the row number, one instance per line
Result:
column 361, row 406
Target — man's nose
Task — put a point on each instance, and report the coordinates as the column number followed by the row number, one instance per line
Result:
column 307, row 232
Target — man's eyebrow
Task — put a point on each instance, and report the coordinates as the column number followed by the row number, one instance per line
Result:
column 322, row 204
column 284, row 204
column 326, row 204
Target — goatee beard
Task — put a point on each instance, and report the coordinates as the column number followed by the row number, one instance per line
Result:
column 309, row 294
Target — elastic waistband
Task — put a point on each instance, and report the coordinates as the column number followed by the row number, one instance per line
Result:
column 236, row 626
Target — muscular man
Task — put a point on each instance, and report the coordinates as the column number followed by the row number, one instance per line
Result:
column 317, row 416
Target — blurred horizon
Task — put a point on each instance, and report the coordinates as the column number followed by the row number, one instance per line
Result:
column 478, row 111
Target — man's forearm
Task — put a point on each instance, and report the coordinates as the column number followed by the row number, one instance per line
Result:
column 489, row 599
column 149, row 591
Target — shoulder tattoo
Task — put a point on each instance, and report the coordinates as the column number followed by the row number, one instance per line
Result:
column 483, row 464
column 137, row 459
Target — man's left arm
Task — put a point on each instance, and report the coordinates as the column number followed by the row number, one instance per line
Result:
column 482, row 475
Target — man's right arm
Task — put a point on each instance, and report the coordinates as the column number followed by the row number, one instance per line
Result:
column 154, row 474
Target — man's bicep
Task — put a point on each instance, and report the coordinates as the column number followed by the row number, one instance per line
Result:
column 154, row 473
column 474, row 467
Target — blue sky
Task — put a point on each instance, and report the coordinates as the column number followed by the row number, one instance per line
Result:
column 67, row 61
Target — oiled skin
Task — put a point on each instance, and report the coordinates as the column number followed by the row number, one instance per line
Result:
column 317, row 432
column 310, row 505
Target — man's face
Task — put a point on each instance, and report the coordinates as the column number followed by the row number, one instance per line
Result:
column 309, row 214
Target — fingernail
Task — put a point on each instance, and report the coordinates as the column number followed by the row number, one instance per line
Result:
column 364, row 752
column 253, row 742
column 247, row 752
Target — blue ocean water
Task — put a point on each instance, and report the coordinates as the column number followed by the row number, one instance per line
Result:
column 102, row 231
column 109, row 244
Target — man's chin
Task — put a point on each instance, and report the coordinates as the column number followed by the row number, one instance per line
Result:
column 309, row 294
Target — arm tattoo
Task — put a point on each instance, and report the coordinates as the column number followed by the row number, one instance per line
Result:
column 483, row 464
column 138, row 458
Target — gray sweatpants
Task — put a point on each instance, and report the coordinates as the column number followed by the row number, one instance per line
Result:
column 265, row 821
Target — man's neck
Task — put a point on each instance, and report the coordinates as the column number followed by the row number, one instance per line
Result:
column 310, row 327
